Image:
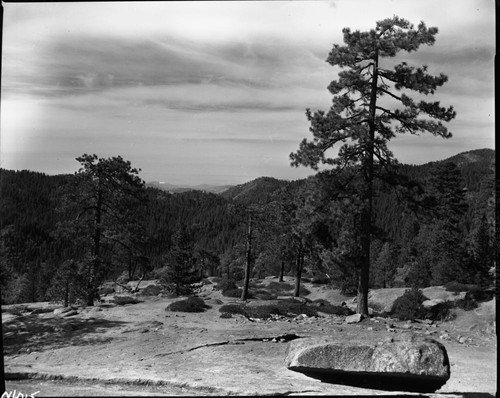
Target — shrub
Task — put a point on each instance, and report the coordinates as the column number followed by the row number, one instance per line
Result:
column 304, row 291
column 123, row 300
column 226, row 284
column 376, row 307
column 289, row 308
column 191, row 304
column 123, row 278
column 328, row 308
column 262, row 294
column 234, row 293
column 151, row 290
column 320, row 280
column 17, row 310
column 279, row 287
column 442, row 312
column 455, row 286
column 479, row 294
column 409, row 305
column 468, row 302
column 105, row 290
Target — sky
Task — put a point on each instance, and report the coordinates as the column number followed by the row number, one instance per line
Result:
column 216, row 92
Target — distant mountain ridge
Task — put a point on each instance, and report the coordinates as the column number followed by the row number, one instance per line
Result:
column 475, row 156
column 261, row 188
column 172, row 188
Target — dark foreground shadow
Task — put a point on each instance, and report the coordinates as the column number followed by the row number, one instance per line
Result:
column 33, row 333
column 378, row 381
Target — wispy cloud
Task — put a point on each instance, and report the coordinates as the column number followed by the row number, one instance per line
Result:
column 192, row 86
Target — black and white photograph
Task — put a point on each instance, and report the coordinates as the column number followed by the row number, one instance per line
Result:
column 213, row 198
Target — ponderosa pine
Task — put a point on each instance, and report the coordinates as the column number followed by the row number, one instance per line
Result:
column 370, row 105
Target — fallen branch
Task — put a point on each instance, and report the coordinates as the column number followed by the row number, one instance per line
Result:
column 286, row 337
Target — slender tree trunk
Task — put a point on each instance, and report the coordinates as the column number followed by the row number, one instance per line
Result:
column 94, row 266
column 300, row 266
column 202, row 269
column 364, row 275
column 282, row 271
column 66, row 292
column 246, row 284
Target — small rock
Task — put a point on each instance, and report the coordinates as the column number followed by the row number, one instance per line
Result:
column 274, row 340
column 445, row 336
column 392, row 330
column 59, row 311
column 282, row 341
column 369, row 328
column 356, row 318
column 463, row 340
column 69, row 313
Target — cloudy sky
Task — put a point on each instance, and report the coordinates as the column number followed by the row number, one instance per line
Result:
column 215, row 92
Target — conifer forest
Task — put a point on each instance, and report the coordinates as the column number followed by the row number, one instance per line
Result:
column 63, row 236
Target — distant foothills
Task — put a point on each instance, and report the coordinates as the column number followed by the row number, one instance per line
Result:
column 437, row 229
column 478, row 156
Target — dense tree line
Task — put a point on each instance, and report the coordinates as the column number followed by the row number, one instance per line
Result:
column 435, row 230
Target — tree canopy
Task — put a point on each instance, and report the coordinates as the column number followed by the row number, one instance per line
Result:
column 370, row 106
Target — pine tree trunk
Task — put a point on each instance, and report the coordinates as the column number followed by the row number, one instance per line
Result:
column 97, row 248
column 246, row 284
column 364, row 275
column 282, row 271
column 66, row 293
column 300, row 265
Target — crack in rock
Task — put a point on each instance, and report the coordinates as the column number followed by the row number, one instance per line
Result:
column 284, row 337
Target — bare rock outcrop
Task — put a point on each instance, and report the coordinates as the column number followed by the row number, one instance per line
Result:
column 409, row 363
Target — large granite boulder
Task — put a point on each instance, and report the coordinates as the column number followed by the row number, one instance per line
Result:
column 408, row 363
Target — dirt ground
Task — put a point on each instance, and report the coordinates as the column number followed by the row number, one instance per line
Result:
column 142, row 349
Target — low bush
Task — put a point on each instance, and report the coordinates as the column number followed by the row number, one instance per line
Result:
column 191, row 304
column 262, row 294
column 455, row 286
column 151, row 290
column 123, row 278
column 304, row 291
column 320, row 280
column 17, row 310
column 289, row 308
column 409, row 305
column 234, row 293
column 468, row 303
column 376, row 307
column 226, row 284
column 105, row 290
column 326, row 307
column 480, row 294
column 279, row 287
column 123, row 300
column 442, row 312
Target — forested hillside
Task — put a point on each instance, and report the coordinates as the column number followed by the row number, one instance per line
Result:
column 432, row 226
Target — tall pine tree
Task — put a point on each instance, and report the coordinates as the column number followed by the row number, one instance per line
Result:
column 370, row 105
